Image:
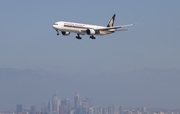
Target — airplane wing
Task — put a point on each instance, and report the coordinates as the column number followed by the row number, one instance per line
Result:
column 115, row 27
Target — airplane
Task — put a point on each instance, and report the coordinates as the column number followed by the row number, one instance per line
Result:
column 81, row 29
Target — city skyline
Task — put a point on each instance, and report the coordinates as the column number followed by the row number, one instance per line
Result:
column 84, row 107
column 130, row 89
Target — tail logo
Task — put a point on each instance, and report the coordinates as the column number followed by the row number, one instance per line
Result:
column 111, row 22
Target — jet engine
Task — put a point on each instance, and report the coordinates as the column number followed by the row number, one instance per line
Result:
column 65, row 33
column 90, row 31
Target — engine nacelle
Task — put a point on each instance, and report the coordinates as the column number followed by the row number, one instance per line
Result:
column 90, row 31
column 65, row 33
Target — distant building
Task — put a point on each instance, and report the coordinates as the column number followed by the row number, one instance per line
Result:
column 33, row 109
column 110, row 110
column 161, row 112
column 72, row 112
column 100, row 110
column 121, row 110
column 114, row 108
column 76, row 101
column 27, row 111
column 91, row 110
column 58, row 104
column 44, row 108
column 19, row 108
column 61, row 109
column 105, row 111
column 144, row 109
column 50, row 107
column 66, row 104
column 54, row 103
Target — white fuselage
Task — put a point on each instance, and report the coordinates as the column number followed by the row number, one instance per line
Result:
column 78, row 28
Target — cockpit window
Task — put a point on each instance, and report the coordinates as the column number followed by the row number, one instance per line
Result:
column 55, row 23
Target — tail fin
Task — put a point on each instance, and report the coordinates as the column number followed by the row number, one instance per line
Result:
column 111, row 22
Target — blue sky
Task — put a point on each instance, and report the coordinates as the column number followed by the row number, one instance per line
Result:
column 28, row 41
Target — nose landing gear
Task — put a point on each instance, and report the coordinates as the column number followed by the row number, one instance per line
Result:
column 57, row 32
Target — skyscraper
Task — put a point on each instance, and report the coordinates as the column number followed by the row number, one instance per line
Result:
column 44, row 108
column 66, row 104
column 50, row 107
column 76, row 101
column 114, row 108
column 61, row 109
column 54, row 103
column 33, row 109
column 110, row 110
column 19, row 108
column 58, row 104
column 121, row 110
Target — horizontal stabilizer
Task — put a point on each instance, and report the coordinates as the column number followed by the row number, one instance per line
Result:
column 127, row 25
column 122, row 30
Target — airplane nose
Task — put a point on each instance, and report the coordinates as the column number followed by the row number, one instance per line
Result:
column 54, row 26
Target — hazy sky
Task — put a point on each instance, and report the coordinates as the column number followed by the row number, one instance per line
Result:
column 28, row 41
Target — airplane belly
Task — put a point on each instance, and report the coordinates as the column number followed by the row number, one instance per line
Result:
column 76, row 30
column 104, row 33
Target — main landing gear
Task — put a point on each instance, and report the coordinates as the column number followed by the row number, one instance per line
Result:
column 57, row 32
column 78, row 37
column 92, row 37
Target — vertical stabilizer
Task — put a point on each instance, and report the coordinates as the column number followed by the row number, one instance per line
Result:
column 111, row 22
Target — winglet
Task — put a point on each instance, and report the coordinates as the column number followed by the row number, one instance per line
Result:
column 111, row 22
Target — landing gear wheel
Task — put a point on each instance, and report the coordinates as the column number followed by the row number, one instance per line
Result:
column 78, row 37
column 57, row 32
column 92, row 37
